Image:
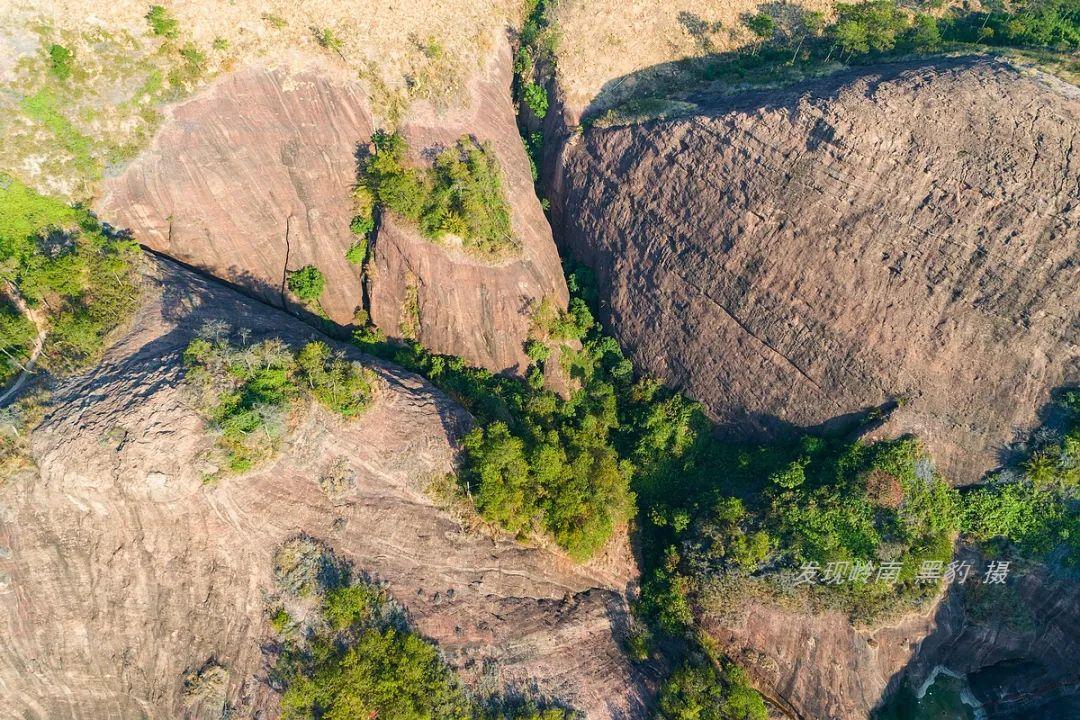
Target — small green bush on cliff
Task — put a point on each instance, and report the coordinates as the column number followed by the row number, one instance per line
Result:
column 307, row 283
column 460, row 195
column 247, row 391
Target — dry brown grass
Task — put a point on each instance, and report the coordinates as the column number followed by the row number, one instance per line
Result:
column 601, row 41
column 104, row 114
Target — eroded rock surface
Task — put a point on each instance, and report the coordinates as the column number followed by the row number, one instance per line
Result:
column 464, row 306
column 819, row 665
column 253, row 176
column 909, row 231
column 134, row 590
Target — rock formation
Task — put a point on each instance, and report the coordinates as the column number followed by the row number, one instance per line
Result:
column 466, row 307
column 252, row 178
column 131, row 589
column 903, row 232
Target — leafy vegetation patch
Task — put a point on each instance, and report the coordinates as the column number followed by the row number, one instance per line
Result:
column 1033, row 509
column 461, row 195
column 534, row 67
column 359, row 659
column 709, row 689
column 78, row 280
column 248, row 391
column 307, row 283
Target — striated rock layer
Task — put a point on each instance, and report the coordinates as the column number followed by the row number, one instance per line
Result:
column 253, row 176
column 122, row 572
column 902, row 232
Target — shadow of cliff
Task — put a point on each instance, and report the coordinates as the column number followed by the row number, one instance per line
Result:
column 191, row 302
column 717, row 82
column 1015, row 645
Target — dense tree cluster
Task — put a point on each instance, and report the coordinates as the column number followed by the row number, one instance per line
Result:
column 460, row 195
column 709, row 689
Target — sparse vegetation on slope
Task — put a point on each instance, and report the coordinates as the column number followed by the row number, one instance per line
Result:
column 77, row 278
column 793, row 45
column 360, row 659
column 248, row 391
column 461, row 195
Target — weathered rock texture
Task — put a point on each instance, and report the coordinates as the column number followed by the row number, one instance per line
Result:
column 1017, row 642
column 820, row 666
column 123, row 573
column 467, row 307
column 253, row 177
column 791, row 257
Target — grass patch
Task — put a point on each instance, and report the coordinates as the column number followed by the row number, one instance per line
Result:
column 162, row 23
column 460, row 195
column 44, row 108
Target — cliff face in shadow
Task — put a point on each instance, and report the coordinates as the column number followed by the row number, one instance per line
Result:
column 123, row 571
column 1017, row 642
column 907, row 231
column 252, row 178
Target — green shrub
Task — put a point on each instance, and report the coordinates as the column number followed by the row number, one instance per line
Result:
column 247, row 392
column 60, row 60
column 162, row 23
column 762, row 25
column 536, row 97
column 870, row 26
column 280, row 621
column 699, row 691
column 357, row 252
column 342, row 386
column 351, row 605
column 81, row 281
column 460, row 195
column 307, row 283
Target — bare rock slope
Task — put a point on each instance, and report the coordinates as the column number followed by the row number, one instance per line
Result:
column 906, row 231
column 252, row 178
column 123, row 573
